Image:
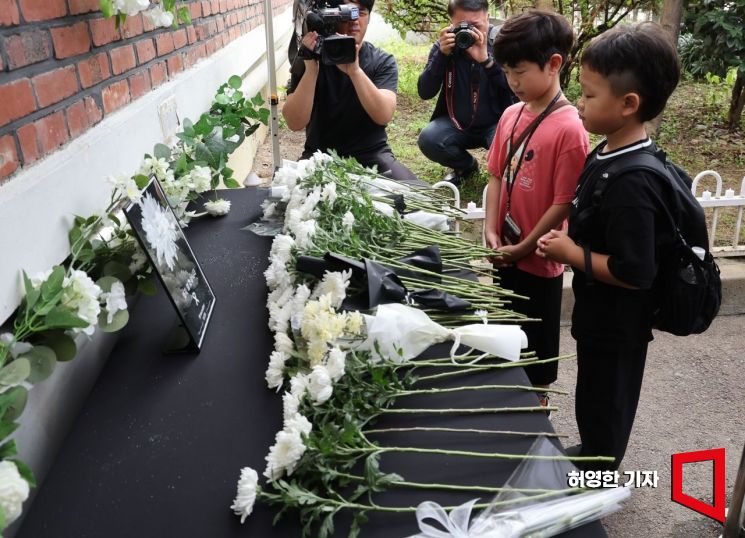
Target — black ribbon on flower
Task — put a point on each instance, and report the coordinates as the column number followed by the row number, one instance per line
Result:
column 384, row 284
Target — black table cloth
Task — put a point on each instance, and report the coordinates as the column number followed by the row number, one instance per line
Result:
column 158, row 447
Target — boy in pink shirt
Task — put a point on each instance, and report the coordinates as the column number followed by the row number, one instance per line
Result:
column 538, row 152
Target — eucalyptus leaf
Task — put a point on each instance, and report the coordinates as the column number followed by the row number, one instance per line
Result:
column 8, row 449
column 222, row 99
column 117, row 270
column 19, row 397
column 106, row 282
column 59, row 318
column 42, row 360
column 230, row 183
column 235, row 82
column 64, row 346
column 162, row 151
column 147, row 286
column 118, row 322
column 141, row 180
column 15, row 372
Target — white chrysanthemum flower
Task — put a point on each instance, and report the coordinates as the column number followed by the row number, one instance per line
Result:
column 483, row 315
column 335, row 364
column 243, row 504
column 283, row 343
column 329, row 193
column 302, row 294
column 200, row 179
column 160, row 18
column 13, row 491
column 269, row 209
column 320, row 386
column 309, row 209
column 286, row 176
column 290, row 405
column 126, row 185
column 160, row 231
column 299, row 385
column 277, row 276
column 276, row 371
column 334, row 284
column 130, row 7
column 81, row 296
column 316, row 351
column 304, row 233
column 355, row 322
column 298, row 423
column 348, row 220
column 114, row 300
column 218, row 207
column 157, row 167
column 282, row 248
column 284, row 455
column 320, row 158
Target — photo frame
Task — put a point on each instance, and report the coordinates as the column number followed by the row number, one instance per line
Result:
column 158, row 231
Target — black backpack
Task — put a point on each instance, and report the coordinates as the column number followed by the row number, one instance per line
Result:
column 690, row 289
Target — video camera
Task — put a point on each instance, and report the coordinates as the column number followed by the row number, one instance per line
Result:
column 324, row 17
column 463, row 36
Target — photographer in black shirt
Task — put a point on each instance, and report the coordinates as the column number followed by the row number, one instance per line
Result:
column 346, row 107
column 473, row 90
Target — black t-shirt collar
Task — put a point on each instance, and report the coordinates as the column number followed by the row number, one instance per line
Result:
column 601, row 156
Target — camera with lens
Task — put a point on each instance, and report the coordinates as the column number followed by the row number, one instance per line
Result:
column 324, row 17
column 464, row 38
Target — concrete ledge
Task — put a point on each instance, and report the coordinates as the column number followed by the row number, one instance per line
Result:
column 733, row 290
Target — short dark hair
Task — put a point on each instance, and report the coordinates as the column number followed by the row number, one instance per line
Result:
column 533, row 36
column 639, row 58
column 467, row 5
column 368, row 4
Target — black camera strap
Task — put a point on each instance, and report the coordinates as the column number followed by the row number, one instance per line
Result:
column 450, row 90
column 521, row 144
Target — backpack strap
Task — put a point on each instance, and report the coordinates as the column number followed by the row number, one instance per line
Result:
column 492, row 36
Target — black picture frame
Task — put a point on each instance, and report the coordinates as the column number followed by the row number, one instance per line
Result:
column 175, row 264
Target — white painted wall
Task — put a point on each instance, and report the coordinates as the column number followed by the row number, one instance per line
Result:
column 38, row 204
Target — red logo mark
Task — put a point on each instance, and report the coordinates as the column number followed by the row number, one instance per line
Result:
column 717, row 456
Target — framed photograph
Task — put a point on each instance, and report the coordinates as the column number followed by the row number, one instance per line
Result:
column 157, row 229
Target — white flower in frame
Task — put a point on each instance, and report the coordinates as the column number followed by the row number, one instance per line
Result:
column 348, row 220
column 217, row 208
column 320, row 386
column 245, row 498
column 160, row 231
column 13, row 491
column 335, row 363
column 114, row 300
column 284, row 455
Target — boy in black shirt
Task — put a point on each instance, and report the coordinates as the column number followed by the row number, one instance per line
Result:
column 627, row 76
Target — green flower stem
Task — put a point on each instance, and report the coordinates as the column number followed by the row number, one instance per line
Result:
column 424, row 411
column 502, row 365
column 461, row 430
column 466, row 453
column 479, row 387
column 446, row 487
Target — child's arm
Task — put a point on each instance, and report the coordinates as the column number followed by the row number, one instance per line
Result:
column 558, row 246
column 552, row 218
column 492, row 211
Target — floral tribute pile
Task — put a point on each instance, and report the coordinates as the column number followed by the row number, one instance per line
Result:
column 352, row 301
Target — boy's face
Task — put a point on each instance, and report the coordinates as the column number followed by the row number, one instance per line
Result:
column 358, row 28
column 601, row 110
column 528, row 81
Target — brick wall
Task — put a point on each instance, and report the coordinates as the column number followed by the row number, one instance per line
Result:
column 63, row 67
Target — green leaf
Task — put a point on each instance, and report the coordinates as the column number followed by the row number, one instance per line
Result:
column 141, row 180
column 15, row 373
column 42, row 360
column 222, row 99
column 2, row 519
column 52, row 286
column 257, row 99
column 32, row 294
column 184, row 15
column 59, row 318
column 107, row 7
column 25, row 472
column 118, row 322
column 63, row 346
column 106, row 283
column 162, row 151
column 235, row 82
column 147, row 286
column 6, row 428
column 327, row 527
column 8, row 449
column 231, row 183
column 117, row 270
column 19, row 396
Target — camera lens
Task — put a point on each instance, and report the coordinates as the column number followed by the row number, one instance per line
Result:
column 464, row 39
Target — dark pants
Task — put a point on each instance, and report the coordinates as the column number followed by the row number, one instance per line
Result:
column 609, row 381
column 443, row 143
column 544, row 303
column 389, row 166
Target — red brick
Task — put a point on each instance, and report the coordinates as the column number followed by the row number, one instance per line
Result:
column 175, row 65
column 83, row 6
column 8, row 156
column 206, row 9
column 20, row 97
column 92, row 109
column 27, row 48
column 147, row 24
column 103, row 31
column 54, row 86
column 70, row 40
column 195, row 10
column 158, row 74
column 29, row 147
column 212, row 45
column 94, row 70
column 115, row 96
column 220, row 24
column 145, row 51
column 122, row 59
column 42, row 10
column 77, row 119
column 9, row 13
column 192, row 56
column 51, row 132
column 203, row 31
column 215, row 6
column 223, row 6
column 191, row 33
column 132, row 27
column 164, row 43
column 179, row 38
column 139, row 84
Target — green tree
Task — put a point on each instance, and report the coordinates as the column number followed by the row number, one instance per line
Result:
column 716, row 44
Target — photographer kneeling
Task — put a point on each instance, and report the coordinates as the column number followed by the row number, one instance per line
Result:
column 473, row 90
column 345, row 107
